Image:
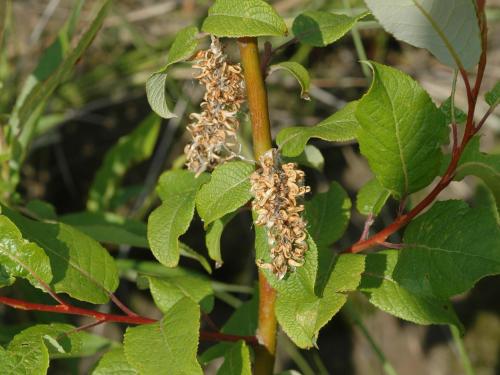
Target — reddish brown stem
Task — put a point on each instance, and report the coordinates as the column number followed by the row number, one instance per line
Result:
column 379, row 238
column 112, row 318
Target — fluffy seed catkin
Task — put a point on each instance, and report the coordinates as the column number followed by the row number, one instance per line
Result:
column 214, row 130
column 277, row 188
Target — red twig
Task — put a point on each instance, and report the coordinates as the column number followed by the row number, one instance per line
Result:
column 112, row 318
column 470, row 130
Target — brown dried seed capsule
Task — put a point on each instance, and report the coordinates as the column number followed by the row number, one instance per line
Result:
column 214, row 129
column 276, row 188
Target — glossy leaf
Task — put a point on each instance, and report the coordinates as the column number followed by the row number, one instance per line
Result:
column 169, row 345
column 240, row 18
column 401, row 131
column 81, row 267
column 20, row 258
column 177, row 190
column 319, row 28
column 342, row 126
column 114, row 362
column 228, row 190
column 382, row 290
column 448, row 29
column 327, row 215
column 236, row 360
column 371, row 198
column 130, row 150
column 298, row 72
column 448, row 249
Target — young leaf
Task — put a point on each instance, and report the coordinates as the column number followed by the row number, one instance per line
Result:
column 241, row 18
column 187, row 252
column 44, row 89
column 448, row 29
column 482, row 165
column 114, row 362
column 81, row 267
column 20, row 258
column 213, row 236
column 460, row 116
column 177, row 190
column 130, row 150
column 181, row 283
column 236, row 360
column 448, row 249
column 109, row 228
column 371, row 198
column 340, row 127
column 228, row 190
column 492, row 97
column 401, row 131
column 311, row 157
column 302, row 314
column 169, row 345
column 183, row 47
column 381, row 288
column 243, row 322
column 327, row 215
column 319, row 28
column 156, row 92
column 298, row 72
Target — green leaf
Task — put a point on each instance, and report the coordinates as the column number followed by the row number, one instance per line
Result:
column 81, row 267
column 183, row 47
column 55, row 337
column 177, row 190
column 240, row 18
column 311, row 157
column 401, row 131
column 327, row 215
column 448, row 249
column 156, row 92
column 130, row 150
column 302, row 314
column 187, row 252
column 236, row 360
column 181, row 283
column 319, row 29
column 303, row 277
column 460, row 116
column 109, row 228
column 482, row 165
column 29, row 357
column 213, row 237
column 340, row 127
column 228, row 190
column 42, row 209
column 492, row 97
column 114, row 362
column 168, row 346
column 382, row 290
column 448, row 29
column 371, row 198
column 20, row 258
column 44, row 89
column 243, row 322
column 298, row 72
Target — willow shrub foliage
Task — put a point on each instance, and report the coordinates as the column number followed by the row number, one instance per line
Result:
column 409, row 143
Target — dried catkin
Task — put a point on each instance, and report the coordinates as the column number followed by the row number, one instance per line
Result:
column 277, row 188
column 214, row 130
